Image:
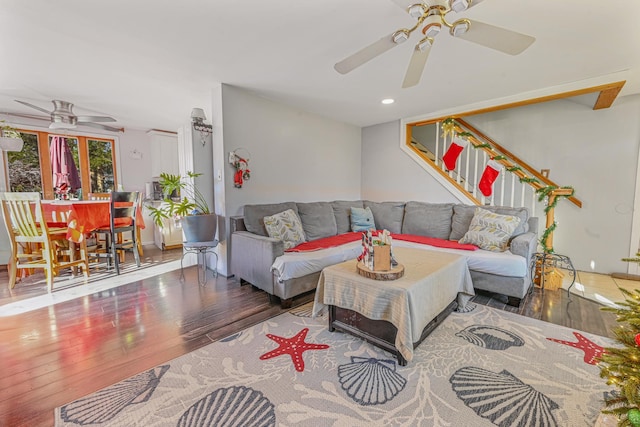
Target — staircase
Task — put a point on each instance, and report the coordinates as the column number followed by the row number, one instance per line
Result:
column 518, row 183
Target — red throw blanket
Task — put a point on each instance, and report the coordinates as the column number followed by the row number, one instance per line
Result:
column 341, row 239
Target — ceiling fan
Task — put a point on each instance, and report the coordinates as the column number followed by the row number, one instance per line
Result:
column 431, row 18
column 62, row 117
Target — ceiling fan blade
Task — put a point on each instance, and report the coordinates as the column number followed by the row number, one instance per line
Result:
column 416, row 67
column 366, row 54
column 26, row 116
column 99, row 126
column 33, row 106
column 497, row 38
column 95, row 119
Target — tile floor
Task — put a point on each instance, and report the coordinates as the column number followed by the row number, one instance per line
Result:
column 601, row 288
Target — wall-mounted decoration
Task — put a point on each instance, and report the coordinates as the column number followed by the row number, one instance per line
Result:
column 239, row 159
column 197, row 119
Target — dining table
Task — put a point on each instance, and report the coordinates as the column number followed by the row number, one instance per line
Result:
column 81, row 216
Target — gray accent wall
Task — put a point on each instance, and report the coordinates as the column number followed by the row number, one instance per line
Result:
column 294, row 155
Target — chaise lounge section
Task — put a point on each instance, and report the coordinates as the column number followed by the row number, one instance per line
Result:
column 263, row 261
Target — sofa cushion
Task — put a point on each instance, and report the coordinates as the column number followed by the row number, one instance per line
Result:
column 285, row 226
column 490, row 231
column 362, row 219
column 462, row 215
column 387, row 215
column 254, row 215
column 428, row 219
column 342, row 214
column 317, row 220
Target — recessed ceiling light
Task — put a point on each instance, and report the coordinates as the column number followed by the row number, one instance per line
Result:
column 388, row 101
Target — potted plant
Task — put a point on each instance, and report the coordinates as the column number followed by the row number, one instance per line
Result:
column 183, row 201
column 10, row 138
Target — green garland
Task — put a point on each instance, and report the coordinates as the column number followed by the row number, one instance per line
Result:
column 513, row 169
column 545, row 192
column 545, row 236
column 528, row 179
column 464, row 135
column 482, row 146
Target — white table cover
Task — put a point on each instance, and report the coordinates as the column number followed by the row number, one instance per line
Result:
column 431, row 281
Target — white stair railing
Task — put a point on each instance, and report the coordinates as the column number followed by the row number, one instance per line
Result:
column 518, row 184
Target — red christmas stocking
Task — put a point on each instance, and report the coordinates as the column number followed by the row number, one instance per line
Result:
column 237, row 179
column 451, row 156
column 491, row 172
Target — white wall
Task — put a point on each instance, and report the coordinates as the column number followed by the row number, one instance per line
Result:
column 294, row 155
column 596, row 152
column 133, row 172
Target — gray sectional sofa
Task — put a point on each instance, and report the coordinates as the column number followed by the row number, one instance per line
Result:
column 262, row 261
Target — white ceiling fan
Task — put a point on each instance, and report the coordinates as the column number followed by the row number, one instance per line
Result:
column 431, row 18
column 62, row 117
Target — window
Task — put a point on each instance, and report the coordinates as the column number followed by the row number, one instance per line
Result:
column 31, row 169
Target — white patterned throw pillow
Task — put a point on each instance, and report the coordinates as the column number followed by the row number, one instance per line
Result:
column 490, row 231
column 285, row 226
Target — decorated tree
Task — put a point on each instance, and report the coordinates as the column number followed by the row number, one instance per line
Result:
column 621, row 365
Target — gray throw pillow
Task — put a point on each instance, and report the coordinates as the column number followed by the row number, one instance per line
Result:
column 428, row 219
column 254, row 215
column 317, row 220
column 463, row 214
column 387, row 215
column 342, row 214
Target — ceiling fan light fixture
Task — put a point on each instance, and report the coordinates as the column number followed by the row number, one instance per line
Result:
column 460, row 27
column 400, row 36
column 458, row 5
column 424, row 44
column 432, row 30
column 416, row 10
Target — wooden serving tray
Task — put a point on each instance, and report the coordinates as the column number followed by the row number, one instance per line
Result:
column 392, row 274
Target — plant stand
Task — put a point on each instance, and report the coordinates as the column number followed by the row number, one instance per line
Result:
column 544, row 267
column 201, row 249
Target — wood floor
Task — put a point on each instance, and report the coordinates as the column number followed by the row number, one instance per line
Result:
column 54, row 355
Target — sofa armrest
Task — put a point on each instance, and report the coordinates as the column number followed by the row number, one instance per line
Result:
column 252, row 256
column 525, row 245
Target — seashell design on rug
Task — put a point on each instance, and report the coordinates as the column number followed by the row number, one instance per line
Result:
column 490, row 337
column 238, row 405
column 105, row 404
column 502, row 398
column 370, row 381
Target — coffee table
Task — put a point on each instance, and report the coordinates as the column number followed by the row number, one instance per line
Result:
column 395, row 315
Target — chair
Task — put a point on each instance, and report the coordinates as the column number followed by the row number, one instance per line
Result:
column 107, row 196
column 100, row 247
column 122, row 219
column 26, row 225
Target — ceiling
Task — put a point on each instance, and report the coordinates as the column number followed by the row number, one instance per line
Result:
column 147, row 63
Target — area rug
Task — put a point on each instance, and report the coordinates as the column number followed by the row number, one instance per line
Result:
column 481, row 368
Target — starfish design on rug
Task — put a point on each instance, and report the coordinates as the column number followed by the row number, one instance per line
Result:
column 591, row 350
column 294, row 347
